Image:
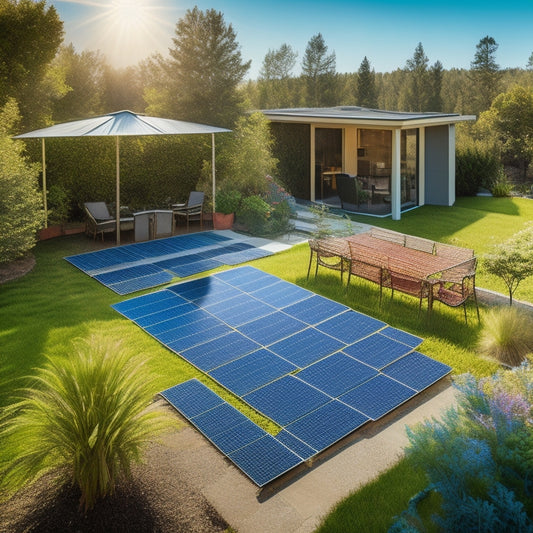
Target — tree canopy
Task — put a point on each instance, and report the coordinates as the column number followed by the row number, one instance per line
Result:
column 318, row 69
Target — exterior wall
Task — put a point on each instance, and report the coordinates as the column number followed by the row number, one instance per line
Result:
column 438, row 155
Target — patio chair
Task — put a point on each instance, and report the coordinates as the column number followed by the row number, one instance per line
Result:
column 453, row 252
column 368, row 265
column 403, row 282
column 387, row 235
column 99, row 220
column 456, row 285
column 192, row 210
column 350, row 191
column 325, row 257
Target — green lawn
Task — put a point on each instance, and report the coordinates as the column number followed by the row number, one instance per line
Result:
column 43, row 311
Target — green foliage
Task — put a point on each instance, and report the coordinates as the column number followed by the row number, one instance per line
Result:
column 58, row 205
column 200, row 80
column 507, row 335
column 31, row 33
column 501, row 187
column 366, row 86
column 485, row 73
column 246, row 157
column 478, row 456
column 85, row 418
column 512, row 260
column 418, row 94
column 227, row 201
column 21, row 213
column 477, row 165
column 254, row 213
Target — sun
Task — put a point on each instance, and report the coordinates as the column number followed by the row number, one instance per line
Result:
column 126, row 31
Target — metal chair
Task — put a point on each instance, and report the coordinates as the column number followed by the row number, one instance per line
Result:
column 325, row 257
column 408, row 284
column 99, row 220
column 456, row 285
column 192, row 210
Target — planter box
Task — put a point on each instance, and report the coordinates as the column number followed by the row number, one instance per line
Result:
column 223, row 221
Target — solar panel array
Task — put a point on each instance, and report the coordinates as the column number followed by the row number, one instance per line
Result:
column 315, row 367
column 133, row 267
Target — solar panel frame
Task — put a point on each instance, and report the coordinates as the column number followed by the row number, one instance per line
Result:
column 192, row 398
column 273, row 328
column 354, row 326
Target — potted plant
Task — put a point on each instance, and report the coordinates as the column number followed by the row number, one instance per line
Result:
column 226, row 203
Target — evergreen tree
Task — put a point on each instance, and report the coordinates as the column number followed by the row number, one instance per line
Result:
column 435, row 99
column 366, row 85
column 319, row 71
column 275, row 77
column 418, row 89
column 200, row 81
column 485, row 73
column 529, row 65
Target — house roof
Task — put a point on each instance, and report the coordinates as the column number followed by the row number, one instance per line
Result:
column 363, row 116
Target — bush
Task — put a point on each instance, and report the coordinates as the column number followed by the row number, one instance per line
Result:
column 501, row 187
column 84, row 420
column 478, row 457
column 507, row 335
column 21, row 212
column 58, row 205
column 227, row 201
column 476, row 165
column 254, row 213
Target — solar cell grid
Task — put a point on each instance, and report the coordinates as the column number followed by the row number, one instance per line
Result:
column 295, row 444
column 378, row 396
column 247, row 373
column 402, row 336
column 315, row 309
column 159, row 305
column 237, row 436
column 353, row 327
column 141, row 301
column 275, row 460
column 240, row 309
column 327, row 425
column 286, row 399
column 178, row 342
column 246, row 278
column 417, row 371
column 138, row 284
column 273, row 328
column 306, row 347
column 218, row 419
column 171, row 313
column 192, row 398
column 281, row 294
column 377, row 350
column 336, row 374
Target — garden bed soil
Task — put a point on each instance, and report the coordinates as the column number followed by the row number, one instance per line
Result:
column 17, row 268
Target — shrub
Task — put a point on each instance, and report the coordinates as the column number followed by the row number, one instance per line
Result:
column 501, row 187
column 478, row 457
column 58, row 205
column 227, row 201
column 507, row 335
column 85, row 419
column 476, row 165
column 512, row 260
column 21, row 213
column 254, row 213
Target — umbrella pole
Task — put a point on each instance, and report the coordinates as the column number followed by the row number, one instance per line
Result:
column 213, row 167
column 117, row 208
column 45, row 203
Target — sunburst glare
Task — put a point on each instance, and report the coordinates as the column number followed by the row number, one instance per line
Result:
column 125, row 31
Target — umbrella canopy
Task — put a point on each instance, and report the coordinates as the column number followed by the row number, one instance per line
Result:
column 120, row 124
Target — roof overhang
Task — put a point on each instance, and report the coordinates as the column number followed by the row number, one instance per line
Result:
column 357, row 116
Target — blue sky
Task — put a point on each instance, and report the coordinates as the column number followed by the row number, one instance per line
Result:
column 386, row 31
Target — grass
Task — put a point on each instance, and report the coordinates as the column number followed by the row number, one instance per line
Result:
column 55, row 303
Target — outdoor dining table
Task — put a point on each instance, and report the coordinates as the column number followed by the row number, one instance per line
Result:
column 399, row 258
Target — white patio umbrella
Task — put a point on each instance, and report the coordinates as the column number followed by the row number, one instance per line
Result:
column 120, row 124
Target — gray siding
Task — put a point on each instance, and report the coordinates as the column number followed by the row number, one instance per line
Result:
column 437, row 165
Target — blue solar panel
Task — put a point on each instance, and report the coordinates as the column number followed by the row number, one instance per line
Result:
column 190, row 323
column 336, row 374
column 417, row 371
column 247, row 278
column 295, row 444
column 196, row 267
column 251, row 371
column 327, row 424
column 140, row 301
column 126, row 273
column 239, row 309
column 241, row 257
column 272, row 328
column 237, row 436
column 178, row 342
column 378, row 396
column 352, row 327
column 286, row 399
column 154, row 307
column 377, row 350
column 281, row 294
column 139, row 284
column 315, row 309
column 265, row 460
column 306, row 347
column 205, row 291
column 172, row 312
column 402, row 336
column 218, row 420
column 192, row 398
column 222, row 350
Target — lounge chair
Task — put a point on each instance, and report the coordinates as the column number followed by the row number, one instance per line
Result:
column 100, row 221
column 192, row 210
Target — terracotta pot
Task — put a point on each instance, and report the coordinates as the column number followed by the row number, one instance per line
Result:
column 223, row 221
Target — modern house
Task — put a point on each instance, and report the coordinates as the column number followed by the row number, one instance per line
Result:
column 401, row 160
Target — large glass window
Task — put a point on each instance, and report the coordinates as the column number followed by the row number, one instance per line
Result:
column 409, row 167
column 328, row 161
